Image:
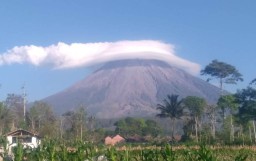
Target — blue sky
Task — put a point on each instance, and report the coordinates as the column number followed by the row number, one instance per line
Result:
column 198, row 31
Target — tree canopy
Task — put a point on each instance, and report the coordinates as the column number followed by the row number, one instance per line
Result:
column 171, row 108
column 42, row 119
column 253, row 81
column 137, row 126
column 226, row 73
column 196, row 107
column 247, row 103
column 5, row 119
column 227, row 102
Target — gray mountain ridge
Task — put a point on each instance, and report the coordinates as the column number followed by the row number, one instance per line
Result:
column 130, row 88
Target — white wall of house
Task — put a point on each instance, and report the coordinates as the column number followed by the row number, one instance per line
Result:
column 9, row 139
column 26, row 138
column 33, row 144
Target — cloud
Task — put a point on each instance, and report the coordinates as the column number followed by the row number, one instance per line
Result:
column 73, row 55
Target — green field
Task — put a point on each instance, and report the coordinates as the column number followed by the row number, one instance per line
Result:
column 54, row 151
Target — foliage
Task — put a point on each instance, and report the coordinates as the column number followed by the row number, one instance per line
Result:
column 75, row 123
column 211, row 115
column 171, row 108
column 18, row 152
column 253, row 82
column 247, row 103
column 196, row 106
column 137, row 126
column 205, row 154
column 152, row 128
column 226, row 73
column 42, row 119
column 227, row 102
column 14, row 103
column 168, row 153
column 5, row 119
column 80, row 151
column 242, row 155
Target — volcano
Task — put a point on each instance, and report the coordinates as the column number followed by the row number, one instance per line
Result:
column 130, row 88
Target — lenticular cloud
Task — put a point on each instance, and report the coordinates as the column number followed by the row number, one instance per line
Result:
column 73, row 55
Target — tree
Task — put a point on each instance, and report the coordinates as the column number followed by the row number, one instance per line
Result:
column 14, row 103
column 224, row 72
column 81, row 119
column 196, row 107
column 247, row 103
column 130, row 126
column 152, row 128
column 42, row 119
column 5, row 119
column 228, row 102
column 171, row 108
column 246, row 99
column 137, row 126
column 75, row 122
column 253, row 82
column 211, row 113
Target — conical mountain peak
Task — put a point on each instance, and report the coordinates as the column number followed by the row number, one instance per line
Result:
column 130, row 88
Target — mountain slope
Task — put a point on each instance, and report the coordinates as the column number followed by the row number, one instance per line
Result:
column 130, row 88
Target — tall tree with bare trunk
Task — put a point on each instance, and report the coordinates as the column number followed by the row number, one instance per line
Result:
column 222, row 71
column 196, row 106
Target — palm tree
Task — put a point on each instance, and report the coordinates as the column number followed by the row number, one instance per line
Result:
column 171, row 108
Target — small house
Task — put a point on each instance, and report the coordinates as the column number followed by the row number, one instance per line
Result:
column 113, row 141
column 26, row 138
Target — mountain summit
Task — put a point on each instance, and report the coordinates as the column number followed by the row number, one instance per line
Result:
column 130, row 88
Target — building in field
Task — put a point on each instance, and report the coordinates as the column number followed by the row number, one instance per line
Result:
column 115, row 140
column 26, row 138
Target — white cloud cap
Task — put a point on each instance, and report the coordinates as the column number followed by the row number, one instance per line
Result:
column 73, row 55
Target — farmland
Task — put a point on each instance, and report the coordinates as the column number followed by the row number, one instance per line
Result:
column 52, row 150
